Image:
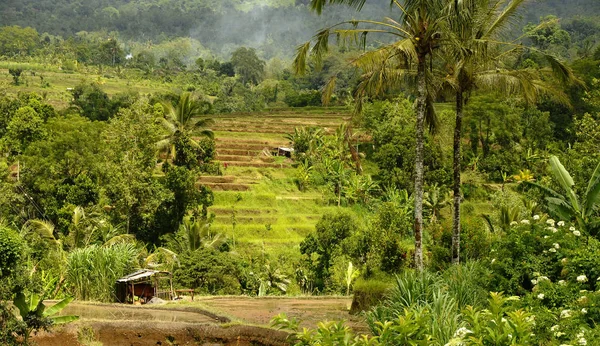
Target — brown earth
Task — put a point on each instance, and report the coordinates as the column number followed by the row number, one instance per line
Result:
column 196, row 323
column 261, row 310
column 142, row 333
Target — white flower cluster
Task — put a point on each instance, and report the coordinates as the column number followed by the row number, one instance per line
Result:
column 462, row 332
column 582, row 278
column 565, row 313
column 550, row 222
column 525, row 222
column 580, row 338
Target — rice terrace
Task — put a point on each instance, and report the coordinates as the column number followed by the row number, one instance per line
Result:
column 300, row 172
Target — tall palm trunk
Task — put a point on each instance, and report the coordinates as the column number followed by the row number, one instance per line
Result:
column 420, row 129
column 456, row 184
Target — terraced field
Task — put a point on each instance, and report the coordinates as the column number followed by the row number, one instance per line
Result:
column 256, row 199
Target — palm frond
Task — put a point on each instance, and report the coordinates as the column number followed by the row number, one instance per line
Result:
column 121, row 238
column 318, row 5
column 328, row 90
column 43, row 228
column 504, row 17
column 299, row 63
column 561, row 71
column 78, row 215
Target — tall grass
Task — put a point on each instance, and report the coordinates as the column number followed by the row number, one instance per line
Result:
column 92, row 271
column 441, row 297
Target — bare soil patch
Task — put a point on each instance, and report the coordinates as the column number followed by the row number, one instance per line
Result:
column 142, row 333
column 216, row 179
column 227, row 186
column 261, row 310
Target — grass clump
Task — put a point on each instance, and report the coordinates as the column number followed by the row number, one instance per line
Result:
column 368, row 293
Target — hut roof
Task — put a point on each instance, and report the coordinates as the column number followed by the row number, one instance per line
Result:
column 140, row 274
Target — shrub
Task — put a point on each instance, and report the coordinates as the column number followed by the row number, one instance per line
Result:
column 367, row 294
column 209, row 271
column 11, row 251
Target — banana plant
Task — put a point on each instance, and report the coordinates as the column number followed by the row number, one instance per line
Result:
column 37, row 315
column 351, row 275
column 569, row 206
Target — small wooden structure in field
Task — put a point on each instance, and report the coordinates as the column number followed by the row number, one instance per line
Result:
column 283, row 151
column 145, row 284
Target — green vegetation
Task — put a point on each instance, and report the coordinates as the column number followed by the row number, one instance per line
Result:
column 439, row 157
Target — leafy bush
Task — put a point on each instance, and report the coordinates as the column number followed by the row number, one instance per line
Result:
column 367, row 294
column 11, row 251
column 208, row 271
column 303, row 98
column 330, row 232
column 12, row 330
column 540, row 247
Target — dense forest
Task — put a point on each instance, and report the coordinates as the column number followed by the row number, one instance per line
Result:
column 441, row 167
column 273, row 27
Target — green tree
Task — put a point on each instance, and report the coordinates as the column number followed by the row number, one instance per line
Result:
column 330, row 232
column 183, row 120
column 11, row 251
column 15, row 40
column 208, row 270
column 92, row 102
column 247, row 65
column 16, row 74
column 417, row 34
column 475, row 59
column 25, row 127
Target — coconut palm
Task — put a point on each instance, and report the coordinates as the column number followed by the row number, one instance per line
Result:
column 475, row 59
column 417, row 35
column 184, row 119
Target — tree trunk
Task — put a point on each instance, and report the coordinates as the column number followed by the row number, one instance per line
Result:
column 456, row 185
column 420, row 129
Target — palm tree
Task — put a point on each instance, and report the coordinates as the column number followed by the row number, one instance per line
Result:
column 417, row 35
column 474, row 59
column 184, row 119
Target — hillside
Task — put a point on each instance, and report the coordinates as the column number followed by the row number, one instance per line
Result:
column 257, row 191
column 274, row 27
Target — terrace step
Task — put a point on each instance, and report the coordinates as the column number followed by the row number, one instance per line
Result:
column 257, row 164
column 239, row 152
column 264, row 130
column 246, row 219
column 245, row 141
column 242, row 211
column 206, row 179
column 228, row 186
column 239, row 158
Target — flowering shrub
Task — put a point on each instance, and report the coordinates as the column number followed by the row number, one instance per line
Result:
column 555, row 268
column 540, row 245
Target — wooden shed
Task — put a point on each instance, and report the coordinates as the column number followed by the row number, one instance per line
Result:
column 283, row 151
column 145, row 284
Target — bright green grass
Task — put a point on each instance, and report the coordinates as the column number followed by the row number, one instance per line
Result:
column 58, row 95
